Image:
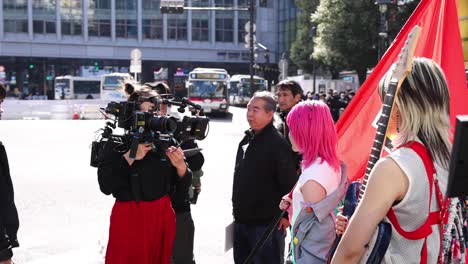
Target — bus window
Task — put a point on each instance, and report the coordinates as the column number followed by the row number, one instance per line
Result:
column 110, row 82
column 207, row 89
column 86, row 87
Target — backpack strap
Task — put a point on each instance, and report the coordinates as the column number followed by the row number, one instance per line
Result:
column 434, row 218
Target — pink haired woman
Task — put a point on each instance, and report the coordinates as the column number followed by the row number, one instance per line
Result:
column 321, row 185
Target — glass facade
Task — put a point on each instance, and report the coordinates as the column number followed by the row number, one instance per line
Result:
column 224, row 22
column 243, row 18
column 287, row 25
column 152, row 20
column 177, row 26
column 126, row 18
column 201, row 22
column 71, row 17
column 99, row 18
column 44, row 14
column 15, row 15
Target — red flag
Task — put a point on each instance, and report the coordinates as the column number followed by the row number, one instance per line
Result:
column 440, row 40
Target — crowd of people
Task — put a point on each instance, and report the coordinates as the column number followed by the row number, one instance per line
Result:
column 336, row 101
column 286, row 165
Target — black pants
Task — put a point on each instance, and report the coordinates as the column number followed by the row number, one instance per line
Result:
column 183, row 242
column 245, row 239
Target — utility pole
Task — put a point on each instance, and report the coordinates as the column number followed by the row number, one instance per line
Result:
column 251, row 42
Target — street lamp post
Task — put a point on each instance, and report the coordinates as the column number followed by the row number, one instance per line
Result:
column 251, row 41
column 313, row 34
column 383, row 34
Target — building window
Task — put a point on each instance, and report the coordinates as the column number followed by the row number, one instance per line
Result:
column 243, row 19
column 70, row 12
column 15, row 14
column 99, row 18
column 224, row 28
column 243, row 3
column 201, row 21
column 224, row 22
column 152, row 20
column 177, row 26
column 44, row 16
column 126, row 18
column 200, row 29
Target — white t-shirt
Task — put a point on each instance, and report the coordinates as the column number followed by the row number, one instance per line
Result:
column 322, row 173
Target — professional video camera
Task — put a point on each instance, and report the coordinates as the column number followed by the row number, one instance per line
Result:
column 149, row 127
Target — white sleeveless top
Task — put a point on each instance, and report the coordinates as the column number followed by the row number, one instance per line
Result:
column 322, row 173
column 411, row 212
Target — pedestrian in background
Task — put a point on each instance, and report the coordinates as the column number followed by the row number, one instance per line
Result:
column 288, row 93
column 264, row 172
column 184, row 194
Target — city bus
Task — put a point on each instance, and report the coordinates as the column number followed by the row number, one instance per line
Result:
column 239, row 88
column 208, row 88
column 111, row 86
column 73, row 87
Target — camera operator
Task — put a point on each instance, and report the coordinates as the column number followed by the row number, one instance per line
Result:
column 9, row 222
column 142, row 224
column 183, row 195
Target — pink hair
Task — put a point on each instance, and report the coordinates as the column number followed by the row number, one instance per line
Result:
column 312, row 129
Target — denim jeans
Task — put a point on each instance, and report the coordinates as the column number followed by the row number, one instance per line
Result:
column 245, row 239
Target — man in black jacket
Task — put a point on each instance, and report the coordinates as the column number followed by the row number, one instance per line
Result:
column 288, row 93
column 9, row 222
column 264, row 172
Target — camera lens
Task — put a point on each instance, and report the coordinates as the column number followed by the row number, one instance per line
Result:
column 163, row 124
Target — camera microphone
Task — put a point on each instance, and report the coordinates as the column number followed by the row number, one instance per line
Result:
column 194, row 105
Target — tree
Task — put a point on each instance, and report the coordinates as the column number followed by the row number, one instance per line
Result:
column 348, row 33
column 301, row 49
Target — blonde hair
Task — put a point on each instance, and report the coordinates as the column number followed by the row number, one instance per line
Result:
column 424, row 104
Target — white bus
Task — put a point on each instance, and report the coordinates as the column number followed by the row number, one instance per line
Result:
column 208, row 88
column 72, row 87
column 111, row 86
column 240, row 91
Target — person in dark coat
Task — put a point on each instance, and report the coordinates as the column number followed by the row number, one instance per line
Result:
column 142, row 223
column 264, row 172
column 9, row 222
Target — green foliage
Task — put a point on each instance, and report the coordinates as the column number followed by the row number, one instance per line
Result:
column 302, row 48
column 347, row 33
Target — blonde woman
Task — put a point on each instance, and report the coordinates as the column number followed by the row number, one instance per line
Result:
column 400, row 181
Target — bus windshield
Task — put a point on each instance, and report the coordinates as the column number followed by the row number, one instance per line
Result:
column 207, row 89
column 111, row 82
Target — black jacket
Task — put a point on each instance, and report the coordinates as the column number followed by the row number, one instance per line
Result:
column 283, row 129
column 9, row 222
column 180, row 198
column 262, row 176
column 147, row 179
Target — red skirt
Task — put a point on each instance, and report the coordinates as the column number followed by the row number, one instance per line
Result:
column 141, row 233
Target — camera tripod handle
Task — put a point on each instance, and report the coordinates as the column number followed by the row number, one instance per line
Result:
column 134, row 147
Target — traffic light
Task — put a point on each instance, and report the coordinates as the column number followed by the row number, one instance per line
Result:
column 171, row 7
column 96, row 66
column 31, row 66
